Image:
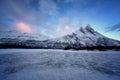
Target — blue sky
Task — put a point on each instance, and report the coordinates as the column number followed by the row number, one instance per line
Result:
column 59, row 17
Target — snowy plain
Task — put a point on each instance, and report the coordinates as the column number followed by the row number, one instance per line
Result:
column 48, row 64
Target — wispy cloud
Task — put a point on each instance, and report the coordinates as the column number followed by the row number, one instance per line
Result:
column 61, row 31
column 25, row 11
column 48, row 7
column 23, row 27
column 114, row 28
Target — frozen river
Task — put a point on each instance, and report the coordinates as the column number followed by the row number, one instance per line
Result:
column 45, row 64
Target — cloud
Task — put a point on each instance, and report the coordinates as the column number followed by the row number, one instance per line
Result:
column 42, row 15
column 23, row 27
column 49, row 17
column 114, row 28
column 65, row 1
column 64, row 20
column 61, row 31
column 48, row 7
column 65, row 25
column 35, row 13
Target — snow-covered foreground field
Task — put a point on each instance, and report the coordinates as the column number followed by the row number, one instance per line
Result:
column 37, row 64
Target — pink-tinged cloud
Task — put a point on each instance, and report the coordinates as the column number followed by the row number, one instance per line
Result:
column 23, row 27
column 68, row 28
column 61, row 31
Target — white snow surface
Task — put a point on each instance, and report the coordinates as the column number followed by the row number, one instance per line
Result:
column 48, row 64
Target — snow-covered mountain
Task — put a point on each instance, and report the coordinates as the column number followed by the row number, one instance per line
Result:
column 84, row 37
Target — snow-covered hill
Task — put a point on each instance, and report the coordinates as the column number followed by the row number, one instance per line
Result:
column 15, row 39
column 22, row 35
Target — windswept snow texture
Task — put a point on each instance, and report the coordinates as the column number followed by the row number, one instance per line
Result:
column 36, row 64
